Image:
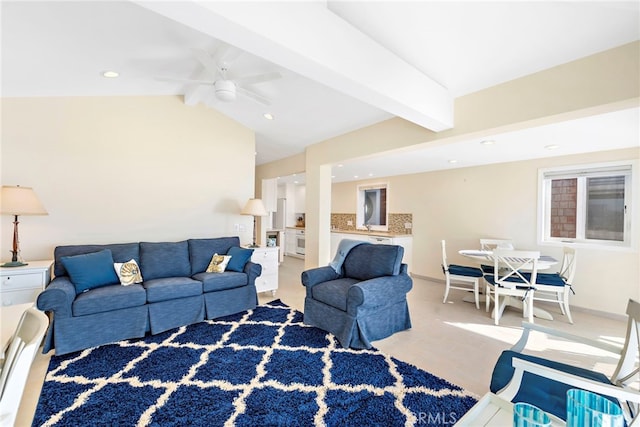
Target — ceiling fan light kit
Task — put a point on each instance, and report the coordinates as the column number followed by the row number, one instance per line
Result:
column 225, row 90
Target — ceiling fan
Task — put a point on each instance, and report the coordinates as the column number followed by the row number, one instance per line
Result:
column 214, row 73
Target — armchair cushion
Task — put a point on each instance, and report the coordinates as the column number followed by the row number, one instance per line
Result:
column 549, row 395
column 318, row 275
column 366, row 262
column 334, row 292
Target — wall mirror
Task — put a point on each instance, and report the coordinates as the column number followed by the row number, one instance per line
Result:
column 372, row 207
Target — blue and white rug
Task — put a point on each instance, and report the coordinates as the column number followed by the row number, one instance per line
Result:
column 262, row 367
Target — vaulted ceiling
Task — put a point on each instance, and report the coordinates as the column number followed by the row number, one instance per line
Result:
column 339, row 65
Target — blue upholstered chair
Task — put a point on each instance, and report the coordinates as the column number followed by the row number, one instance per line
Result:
column 460, row 277
column 521, row 377
column 364, row 300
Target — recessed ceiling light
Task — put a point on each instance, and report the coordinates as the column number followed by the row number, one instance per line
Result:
column 551, row 147
column 453, row 161
column 268, row 116
column 355, row 176
column 370, row 174
column 110, row 74
column 487, row 142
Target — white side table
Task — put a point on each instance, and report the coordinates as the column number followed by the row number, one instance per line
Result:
column 267, row 257
column 19, row 285
column 492, row 410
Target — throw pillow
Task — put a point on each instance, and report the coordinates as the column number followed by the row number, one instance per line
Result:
column 239, row 257
column 128, row 272
column 218, row 263
column 92, row 270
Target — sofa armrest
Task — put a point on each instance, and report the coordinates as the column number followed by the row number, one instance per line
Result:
column 58, row 297
column 253, row 270
column 378, row 291
column 317, row 275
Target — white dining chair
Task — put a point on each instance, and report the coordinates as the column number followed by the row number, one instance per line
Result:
column 556, row 287
column 19, row 356
column 514, row 276
column 460, row 277
column 491, row 244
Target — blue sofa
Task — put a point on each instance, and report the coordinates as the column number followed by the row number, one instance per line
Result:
column 176, row 291
column 365, row 301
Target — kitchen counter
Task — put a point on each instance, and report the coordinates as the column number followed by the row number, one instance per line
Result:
column 373, row 233
column 296, row 228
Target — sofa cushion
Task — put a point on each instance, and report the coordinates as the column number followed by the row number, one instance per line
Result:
column 88, row 271
column 164, row 259
column 201, row 251
column 169, row 288
column 128, row 272
column 109, row 298
column 333, row 292
column 212, row 282
column 121, row 252
column 218, row 263
column 365, row 262
column 239, row 257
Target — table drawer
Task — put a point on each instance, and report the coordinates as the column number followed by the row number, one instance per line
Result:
column 265, row 257
column 19, row 297
column 21, row 281
column 268, row 282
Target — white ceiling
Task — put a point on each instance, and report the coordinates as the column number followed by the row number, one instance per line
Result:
column 344, row 65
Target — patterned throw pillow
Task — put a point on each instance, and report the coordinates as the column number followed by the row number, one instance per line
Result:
column 218, row 263
column 128, row 272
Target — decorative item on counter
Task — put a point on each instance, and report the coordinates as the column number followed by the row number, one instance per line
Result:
column 300, row 221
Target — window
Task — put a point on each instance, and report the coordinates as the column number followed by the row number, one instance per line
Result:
column 372, row 207
column 587, row 204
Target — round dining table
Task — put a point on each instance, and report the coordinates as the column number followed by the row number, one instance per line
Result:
column 485, row 257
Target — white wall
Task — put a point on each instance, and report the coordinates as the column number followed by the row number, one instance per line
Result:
column 463, row 205
column 124, row 169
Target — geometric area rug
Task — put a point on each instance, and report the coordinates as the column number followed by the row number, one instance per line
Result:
column 261, row 367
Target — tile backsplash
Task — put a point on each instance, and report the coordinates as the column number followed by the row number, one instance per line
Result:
column 397, row 222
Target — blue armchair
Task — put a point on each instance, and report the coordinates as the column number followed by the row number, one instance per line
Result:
column 365, row 301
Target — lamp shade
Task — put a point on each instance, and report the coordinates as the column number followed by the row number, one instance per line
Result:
column 16, row 200
column 254, row 207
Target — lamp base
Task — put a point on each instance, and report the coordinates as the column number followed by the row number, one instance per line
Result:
column 253, row 246
column 14, row 264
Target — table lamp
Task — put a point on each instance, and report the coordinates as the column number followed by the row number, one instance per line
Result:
column 16, row 200
column 254, row 207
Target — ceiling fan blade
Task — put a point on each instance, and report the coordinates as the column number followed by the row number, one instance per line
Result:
column 206, row 60
column 175, row 79
column 226, row 54
column 258, row 78
column 258, row 98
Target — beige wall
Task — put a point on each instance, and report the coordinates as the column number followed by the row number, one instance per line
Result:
column 463, row 205
column 607, row 81
column 122, row 169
